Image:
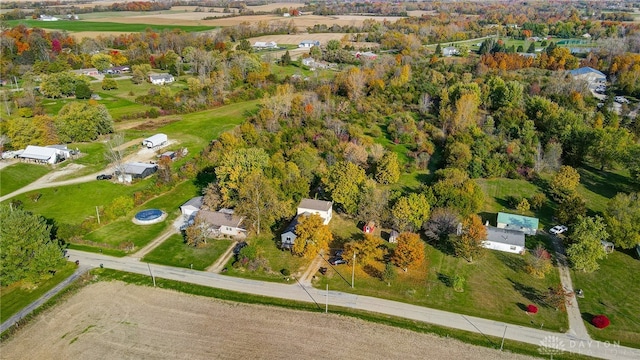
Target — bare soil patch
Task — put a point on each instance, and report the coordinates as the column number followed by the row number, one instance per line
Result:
column 118, row 321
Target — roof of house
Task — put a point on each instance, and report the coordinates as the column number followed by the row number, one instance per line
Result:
column 518, row 220
column 216, row 218
column 38, row 152
column 292, row 225
column 164, row 76
column 58, row 147
column 586, row 70
column 504, row 236
column 156, row 138
column 195, row 202
column 137, row 168
column 310, row 42
column 312, row 204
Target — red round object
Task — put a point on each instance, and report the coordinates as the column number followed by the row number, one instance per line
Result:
column 600, row 321
column 532, row 309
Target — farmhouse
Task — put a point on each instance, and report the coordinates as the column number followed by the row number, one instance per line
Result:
column 265, row 45
column 308, row 43
column 450, row 51
column 524, row 224
column 117, row 69
column 504, row 240
column 320, row 207
column 191, row 207
column 155, row 140
column 222, row 223
column 161, row 79
column 367, row 55
column 589, row 75
column 88, row 72
column 48, row 18
column 288, row 237
column 139, row 170
column 42, row 155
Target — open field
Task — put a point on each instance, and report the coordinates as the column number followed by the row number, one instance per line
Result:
column 110, row 319
column 106, row 26
column 15, row 176
column 174, row 252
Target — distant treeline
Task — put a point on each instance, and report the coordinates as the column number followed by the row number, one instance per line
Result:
column 19, row 12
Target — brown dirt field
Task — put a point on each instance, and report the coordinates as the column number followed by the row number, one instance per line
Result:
column 118, row 321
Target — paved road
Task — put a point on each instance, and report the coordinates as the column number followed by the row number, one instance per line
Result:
column 27, row 310
column 566, row 342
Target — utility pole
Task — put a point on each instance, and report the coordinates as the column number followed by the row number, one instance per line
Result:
column 98, row 214
column 326, row 306
column 152, row 277
column 353, row 270
column 503, row 335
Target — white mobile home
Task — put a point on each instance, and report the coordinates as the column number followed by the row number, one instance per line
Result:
column 155, row 140
column 504, row 240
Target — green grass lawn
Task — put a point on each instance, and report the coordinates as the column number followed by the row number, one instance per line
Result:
column 16, row 176
column 277, row 258
column 16, row 296
column 496, row 287
column 174, row 252
column 73, row 26
column 613, row 291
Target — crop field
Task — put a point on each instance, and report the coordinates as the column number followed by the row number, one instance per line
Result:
column 108, row 26
column 114, row 320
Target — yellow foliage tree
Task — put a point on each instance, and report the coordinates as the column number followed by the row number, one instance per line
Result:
column 312, row 236
column 410, row 251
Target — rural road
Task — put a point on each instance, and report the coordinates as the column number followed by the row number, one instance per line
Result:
column 27, row 310
column 554, row 341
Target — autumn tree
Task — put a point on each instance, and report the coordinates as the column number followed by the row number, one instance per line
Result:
column 388, row 169
column 258, row 202
column 410, row 212
column 28, row 251
column 585, row 249
column 115, row 152
column 538, row 262
column 570, row 208
column 235, row 167
column 196, row 234
column 373, row 204
column 455, row 190
column 81, row 121
column 564, row 183
column 556, row 297
column 409, row 252
column 622, row 216
column 312, row 236
column 345, row 181
column 367, row 250
column 469, row 243
column 610, row 146
column 101, row 61
column 441, row 224
column 109, row 84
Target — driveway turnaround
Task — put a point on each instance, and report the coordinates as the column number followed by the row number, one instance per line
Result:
column 550, row 343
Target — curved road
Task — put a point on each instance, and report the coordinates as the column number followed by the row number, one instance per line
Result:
column 556, row 341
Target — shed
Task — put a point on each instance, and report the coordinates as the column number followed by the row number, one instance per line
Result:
column 168, row 154
column 139, row 170
column 504, row 240
column 369, row 227
column 393, row 236
column 155, row 140
column 40, row 154
column 320, row 207
column 450, row 51
column 191, row 206
column 525, row 224
column 608, row 246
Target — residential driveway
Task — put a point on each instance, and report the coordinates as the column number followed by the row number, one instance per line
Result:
column 564, row 341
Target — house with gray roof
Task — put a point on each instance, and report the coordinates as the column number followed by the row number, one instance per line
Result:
column 223, row 224
column 139, row 170
column 191, row 206
column 504, row 240
column 320, row 207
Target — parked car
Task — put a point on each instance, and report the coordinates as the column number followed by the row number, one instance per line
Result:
column 621, row 100
column 239, row 246
column 337, row 261
column 339, row 253
column 601, row 89
column 104, row 177
column 558, row 229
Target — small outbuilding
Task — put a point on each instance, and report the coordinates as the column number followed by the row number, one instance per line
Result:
column 504, row 240
column 608, row 246
column 192, row 206
column 393, row 236
column 139, row 170
column 450, row 51
column 369, row 227
column 155, row 140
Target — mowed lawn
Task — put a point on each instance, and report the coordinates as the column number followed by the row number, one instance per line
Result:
column 496, row 287
column 16, row 176
column 174, row 252
column 73, row 26
column 18, row 295
column 614, row 291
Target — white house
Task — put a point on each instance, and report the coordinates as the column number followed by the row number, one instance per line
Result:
column 161, row 79
column 48, row 18
column 320, row 207
column 288, row 236
column 524, row 224
column 265, row 45
column 308, row 43
column 191, row 207
column 87, row 71
column 504, row 240
column 450, row 51
column 223, row 223
column 155, row 140
column 41, row 154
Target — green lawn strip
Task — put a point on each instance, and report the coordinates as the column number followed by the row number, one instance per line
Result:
column 124, row 230
column 612, row 291
column 496, row 287
column 17, row 296
column 94, row 249
column 174, row 252
column 74, row 26
column 16, row 176
column 277, row 259
column 598, row 187
column 417, row 326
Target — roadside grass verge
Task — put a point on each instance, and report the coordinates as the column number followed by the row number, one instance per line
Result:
column 18, row 175
column 174, row 252
column 17, row 296
column 277, row 259
column 496, row 287
column 417, row 326
column 74, row 26
column 612, row 291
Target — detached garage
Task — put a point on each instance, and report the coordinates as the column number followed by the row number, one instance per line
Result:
column 139, row 170
column 155, row 140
